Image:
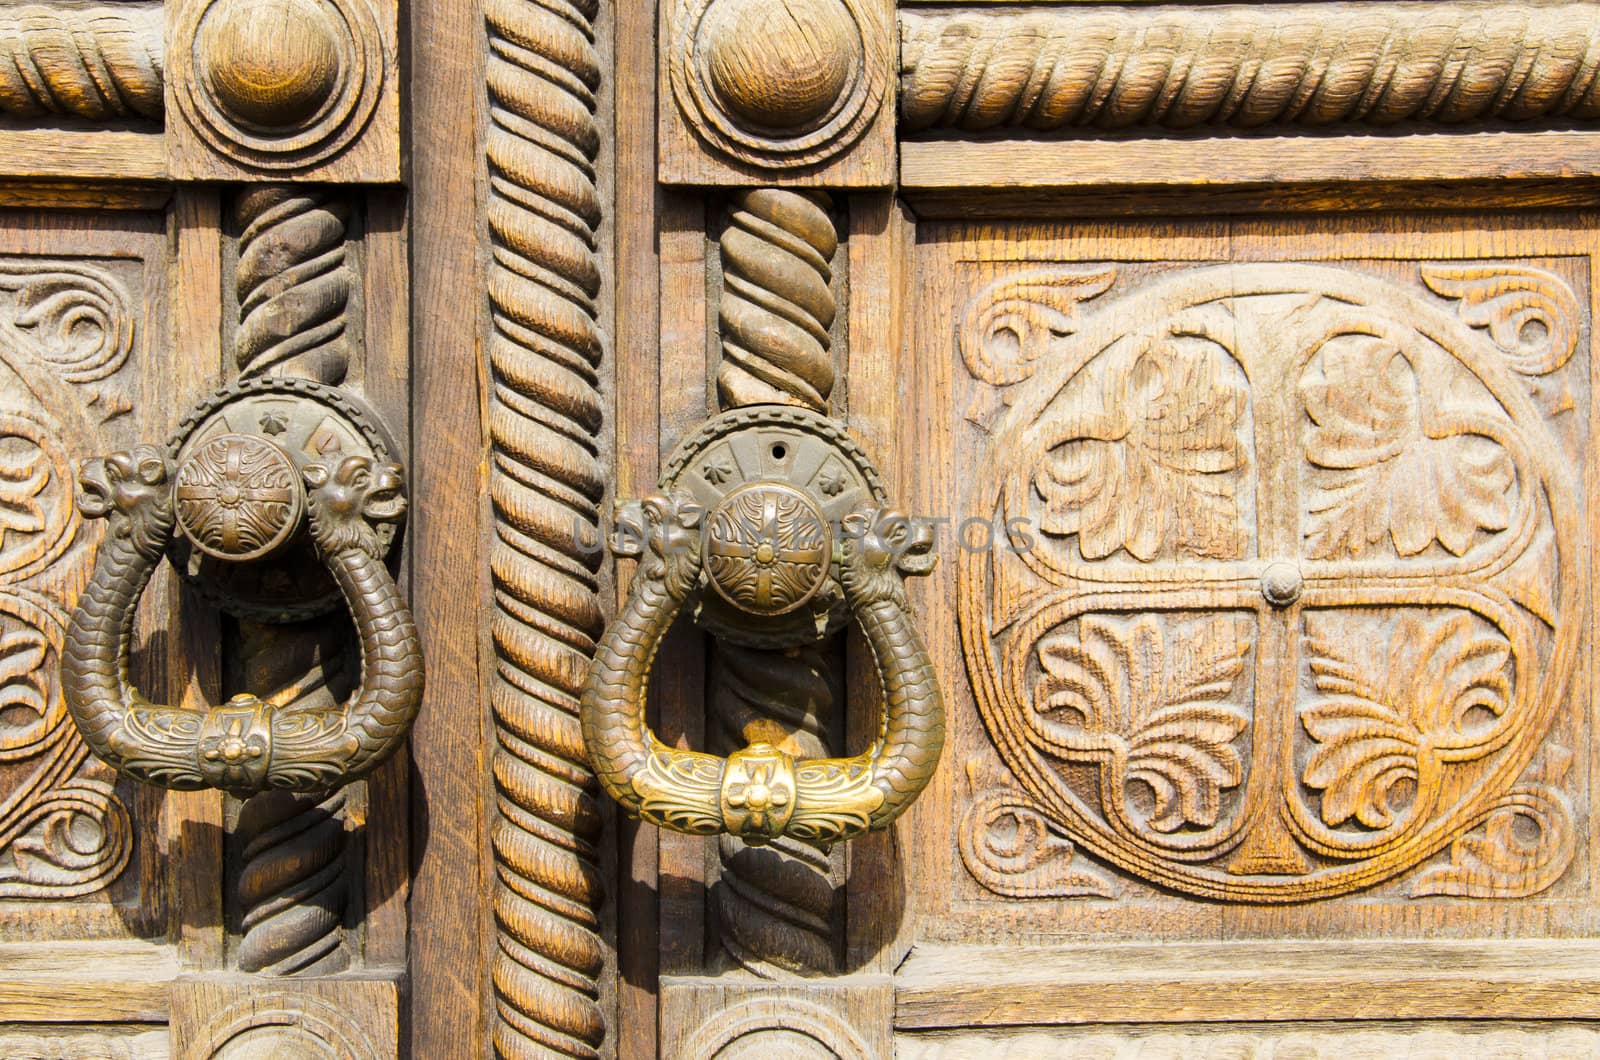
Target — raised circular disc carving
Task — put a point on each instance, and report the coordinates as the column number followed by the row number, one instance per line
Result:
column 1414, row 676
column 238, row 497
column 767, row 548
column 778, row 86
column 764, row 445
column 780, row 66
column 307, row 421
column 280, row 84
column 271, row 63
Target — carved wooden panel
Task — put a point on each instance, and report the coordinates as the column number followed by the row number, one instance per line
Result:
column 1273, row 579
column 76, row 331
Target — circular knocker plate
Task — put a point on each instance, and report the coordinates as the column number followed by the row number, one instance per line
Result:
column 222, row 509
column 783, row 477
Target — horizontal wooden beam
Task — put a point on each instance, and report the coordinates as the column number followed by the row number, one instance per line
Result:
column 984, row 166
column 1247, row 981
column 86, row 982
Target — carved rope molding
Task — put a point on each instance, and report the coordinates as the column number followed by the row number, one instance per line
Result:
column 1249, row 66
column 776, row 902
column 101, row 62
column 544, row 347
column 293, row 284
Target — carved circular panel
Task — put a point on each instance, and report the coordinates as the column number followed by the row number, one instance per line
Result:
column 813, row 473
column 764, row 1027
column 238, row 497
column 767, row 548
column 777, row 85
column 280, row 84
column 1294, row 589
column 305, row 421
column 302, row 1028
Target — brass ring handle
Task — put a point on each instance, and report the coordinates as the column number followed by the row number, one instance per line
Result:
column 761, row 792
column 246, row 745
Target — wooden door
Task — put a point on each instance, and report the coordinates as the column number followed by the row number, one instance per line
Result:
column 1236, row 357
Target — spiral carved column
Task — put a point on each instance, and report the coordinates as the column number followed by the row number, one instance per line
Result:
column 294, row 284
column 99, row 63
column 776, row 904
column 777, row 302
column 544, row 348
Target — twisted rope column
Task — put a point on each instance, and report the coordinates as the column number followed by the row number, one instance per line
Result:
column 776, row 904
column 1249, row 66
column 777, row 303
column 98, row 63
column 294, row 285
column 546, row 481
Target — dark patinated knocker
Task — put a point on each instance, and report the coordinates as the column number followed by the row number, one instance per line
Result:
column 263, row 478
column 772, row 528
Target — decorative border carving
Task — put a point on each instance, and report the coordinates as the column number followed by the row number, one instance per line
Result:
column 544, row 348
column 1249, row 66
column 101, row 63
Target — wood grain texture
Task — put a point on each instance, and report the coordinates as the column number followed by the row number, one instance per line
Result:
column 103, row 981
column 110, row 154
column 1180, row 983
column 1006, row 166
column 346, row 1018
column 451, row 940
column 838, row 1018
column 544, row 351
column 98, row 63
column 1374, row 1040
column 1249, row 66
column 65, row 1042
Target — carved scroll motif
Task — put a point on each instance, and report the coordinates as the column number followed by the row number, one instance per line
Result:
column 1014, row 850
column 99, row 62
column 1248, row 66
column 544, row 350
column 65, row 328
column 1321, row 606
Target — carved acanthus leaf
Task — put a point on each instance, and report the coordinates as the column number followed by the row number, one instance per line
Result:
column 1014, row 850
column 1382, row 470
column 1154, row 467
column 1519, row 847
column 1163, row 712
column 1444, row 683
column 1531, row 314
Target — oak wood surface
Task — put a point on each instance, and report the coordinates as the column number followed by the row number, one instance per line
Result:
column 450, row 929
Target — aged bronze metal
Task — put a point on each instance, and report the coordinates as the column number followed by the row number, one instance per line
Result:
column 307, row 421
column 237, row 494
column 765, row 514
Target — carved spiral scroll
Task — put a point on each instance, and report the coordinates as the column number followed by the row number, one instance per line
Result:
column 777, row 305
column 247, row 745
column 545, row 482
column 762, row 792
column 1247, row 66
column 99, row 62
